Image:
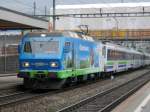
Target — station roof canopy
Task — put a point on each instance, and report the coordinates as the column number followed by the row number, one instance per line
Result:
column 10, row 19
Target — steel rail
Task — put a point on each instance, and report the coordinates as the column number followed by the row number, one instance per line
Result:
column 10, row 95
column 122, row 98
column 83, row 102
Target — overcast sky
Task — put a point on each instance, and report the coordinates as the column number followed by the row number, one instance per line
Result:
column 26, row 6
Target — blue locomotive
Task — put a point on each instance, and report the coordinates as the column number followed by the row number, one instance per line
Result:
column 48, row 60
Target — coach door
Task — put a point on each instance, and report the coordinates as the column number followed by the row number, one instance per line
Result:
column 103, row 56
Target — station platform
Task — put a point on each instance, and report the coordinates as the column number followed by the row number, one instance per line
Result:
column 7, row 74
column 10, row 81
column 138, row 102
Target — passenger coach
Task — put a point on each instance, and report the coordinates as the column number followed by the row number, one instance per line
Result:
column 119, row 58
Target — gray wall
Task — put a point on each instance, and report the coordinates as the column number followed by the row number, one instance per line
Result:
column 8, row 59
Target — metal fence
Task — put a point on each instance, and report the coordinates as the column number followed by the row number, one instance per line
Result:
column 9, row 53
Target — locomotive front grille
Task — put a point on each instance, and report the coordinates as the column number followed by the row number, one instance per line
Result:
column 40, row 76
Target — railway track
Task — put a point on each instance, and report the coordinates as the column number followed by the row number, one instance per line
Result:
column 19, row 97
column 23, row 96
column 5, row 99
column 107, row 100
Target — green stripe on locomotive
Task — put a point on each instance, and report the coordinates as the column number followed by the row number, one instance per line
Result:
column 65, row 73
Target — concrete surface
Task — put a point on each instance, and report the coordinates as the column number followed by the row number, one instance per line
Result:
column 10, row 81
column 138, row 102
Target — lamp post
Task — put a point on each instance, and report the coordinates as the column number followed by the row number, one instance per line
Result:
column 54, row 18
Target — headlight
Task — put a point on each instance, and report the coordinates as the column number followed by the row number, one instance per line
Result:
column 26, row 64
column 54, row 64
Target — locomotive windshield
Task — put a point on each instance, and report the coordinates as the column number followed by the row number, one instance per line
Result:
column 41, row 47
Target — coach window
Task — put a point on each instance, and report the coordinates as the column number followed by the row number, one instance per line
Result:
column 27, row 47
column 109, row 54
column 112, row 54
column 123, row 56
column 104, row 52
column 118, row 55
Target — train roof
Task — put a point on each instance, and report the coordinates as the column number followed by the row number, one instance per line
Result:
column 60, row 34
column 121, row 48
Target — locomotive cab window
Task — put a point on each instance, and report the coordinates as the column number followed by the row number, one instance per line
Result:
column 45, row 47
column 27, row 47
